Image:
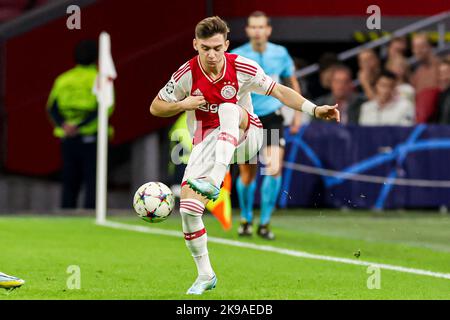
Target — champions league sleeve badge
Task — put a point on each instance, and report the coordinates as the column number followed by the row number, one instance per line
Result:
column 170, row 86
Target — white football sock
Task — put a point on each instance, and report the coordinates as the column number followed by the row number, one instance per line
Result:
column 191, row 211
column 227, row 140
column 218, row 173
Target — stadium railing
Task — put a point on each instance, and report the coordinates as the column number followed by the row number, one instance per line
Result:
column 438, row 20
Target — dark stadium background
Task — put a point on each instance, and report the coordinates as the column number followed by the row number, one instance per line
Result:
column 150, row 39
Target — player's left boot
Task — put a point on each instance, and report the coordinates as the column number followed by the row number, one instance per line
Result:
column 202, row 284
column 10, row 282
column 265, row 232
column 204, row 187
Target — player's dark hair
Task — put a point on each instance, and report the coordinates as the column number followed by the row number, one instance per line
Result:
column 387, row 74
column 86, row 52
column 211, row 26
column 258, row 14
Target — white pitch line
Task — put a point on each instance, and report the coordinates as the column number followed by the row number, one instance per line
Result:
column 288, row 252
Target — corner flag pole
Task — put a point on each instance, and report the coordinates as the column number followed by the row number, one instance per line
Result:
column 104, row 89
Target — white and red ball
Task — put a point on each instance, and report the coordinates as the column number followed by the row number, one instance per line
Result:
column 153, row 202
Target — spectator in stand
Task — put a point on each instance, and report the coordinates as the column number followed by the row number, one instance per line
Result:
column 304, row 83
column 426, row 73
column 369, row 70
column 343, row 93
column 444, row 96
column 399, row 66
column 425, row 79
column 299, row 64
column 319, row 84
column 386, row 108
column 397, row 47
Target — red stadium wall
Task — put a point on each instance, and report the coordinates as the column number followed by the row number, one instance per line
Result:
column 149, row 41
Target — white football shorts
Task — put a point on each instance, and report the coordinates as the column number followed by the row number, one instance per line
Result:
column 203, row 155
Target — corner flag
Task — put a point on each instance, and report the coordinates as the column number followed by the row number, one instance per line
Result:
column 104, row 89
column 221, row 208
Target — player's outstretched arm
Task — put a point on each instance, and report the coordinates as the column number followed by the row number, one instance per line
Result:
column 161, row 108
column 294, row 100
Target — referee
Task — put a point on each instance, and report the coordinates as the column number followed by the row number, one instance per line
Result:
column 277, row 63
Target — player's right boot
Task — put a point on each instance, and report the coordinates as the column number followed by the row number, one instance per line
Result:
column 10, row 282
column 202, row 284
column 245, row 228
column 204, row 187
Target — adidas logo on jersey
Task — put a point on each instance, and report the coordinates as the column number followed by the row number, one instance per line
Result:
column 197, row 92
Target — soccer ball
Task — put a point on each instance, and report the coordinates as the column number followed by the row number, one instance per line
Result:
column 153, row 202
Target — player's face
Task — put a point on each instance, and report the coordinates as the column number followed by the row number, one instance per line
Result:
column 211, row 50
column 258, row 30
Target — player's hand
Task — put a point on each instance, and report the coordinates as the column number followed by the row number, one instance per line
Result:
column 192, row 102
column 328, row 113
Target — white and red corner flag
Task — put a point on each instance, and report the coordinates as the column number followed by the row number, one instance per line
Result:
column 107, row 72
column 104, row 90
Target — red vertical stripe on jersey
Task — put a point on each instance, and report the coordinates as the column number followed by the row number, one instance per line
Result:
column 206, row 117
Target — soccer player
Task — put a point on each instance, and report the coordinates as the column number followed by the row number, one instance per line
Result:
column 277, row 64
column 10, row 282
column 214, row 88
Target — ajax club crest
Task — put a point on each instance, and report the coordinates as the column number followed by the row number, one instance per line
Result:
column 228, row 91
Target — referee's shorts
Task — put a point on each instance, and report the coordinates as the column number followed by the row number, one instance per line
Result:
column 273, row 129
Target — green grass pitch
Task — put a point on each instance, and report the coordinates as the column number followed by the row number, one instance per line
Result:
column 121, row 264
